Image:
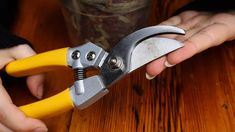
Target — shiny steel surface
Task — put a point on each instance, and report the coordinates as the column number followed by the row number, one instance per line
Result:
column 151, row 49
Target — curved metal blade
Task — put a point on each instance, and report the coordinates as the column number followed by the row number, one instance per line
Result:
column 151, row 49
column 122, row 59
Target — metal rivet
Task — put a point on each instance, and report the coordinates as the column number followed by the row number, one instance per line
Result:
column 91, row 56
column 76, row 54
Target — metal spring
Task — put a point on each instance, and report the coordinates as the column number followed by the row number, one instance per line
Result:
column 79, row 74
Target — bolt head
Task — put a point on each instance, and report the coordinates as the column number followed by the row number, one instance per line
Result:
column 76, row 54
column 113, row 61
column 91, row 56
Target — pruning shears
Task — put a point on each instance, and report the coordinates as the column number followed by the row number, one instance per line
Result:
column 132, row 52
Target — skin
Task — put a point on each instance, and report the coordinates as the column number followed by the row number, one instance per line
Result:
column 18, row 121
column 203, row 30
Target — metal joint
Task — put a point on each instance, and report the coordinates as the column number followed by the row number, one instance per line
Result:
column 85, row 91
column 87, row 55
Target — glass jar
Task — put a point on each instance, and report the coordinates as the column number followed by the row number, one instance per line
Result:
column 104, row 22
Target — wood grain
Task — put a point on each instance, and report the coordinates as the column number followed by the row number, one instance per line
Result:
column 196, row 95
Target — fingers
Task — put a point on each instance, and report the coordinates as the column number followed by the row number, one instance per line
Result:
column 210, row 36
column 183, row 21
column 18, row 121
column 188, row 15
column 226, row 19
column 175, row 20
column 181, row 18
column 4, row 94
column 12, row 118
column 193, row 19
column 155, row 68
column 4, row 128
column 203, row 30
column 35, row 82
column 21, row 51
column 5, row 58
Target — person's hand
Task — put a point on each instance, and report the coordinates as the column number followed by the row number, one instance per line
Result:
column 203, row 30
column 11, row 118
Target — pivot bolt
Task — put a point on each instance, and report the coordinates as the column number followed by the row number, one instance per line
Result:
column 115, row 63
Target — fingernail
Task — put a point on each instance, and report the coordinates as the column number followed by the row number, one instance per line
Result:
column 167, row 64
column 40, row 129
column 149, row 77
column 39, row 93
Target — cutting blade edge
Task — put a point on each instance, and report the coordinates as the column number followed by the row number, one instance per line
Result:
column 152, row 49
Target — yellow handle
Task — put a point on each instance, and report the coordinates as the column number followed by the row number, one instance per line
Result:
column 51, row 106
column 39, row 63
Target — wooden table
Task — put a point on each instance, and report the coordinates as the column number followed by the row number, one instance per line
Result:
column 196, row 95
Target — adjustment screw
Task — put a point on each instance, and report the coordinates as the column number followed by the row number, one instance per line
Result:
column 76, row 54
column 91, row 56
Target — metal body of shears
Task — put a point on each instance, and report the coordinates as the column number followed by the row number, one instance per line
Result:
column 132, row 52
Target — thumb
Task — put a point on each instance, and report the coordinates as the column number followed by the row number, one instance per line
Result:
column 35, row 85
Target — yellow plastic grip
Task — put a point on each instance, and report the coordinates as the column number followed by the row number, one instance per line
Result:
column 39, row 63
column 49, row 107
